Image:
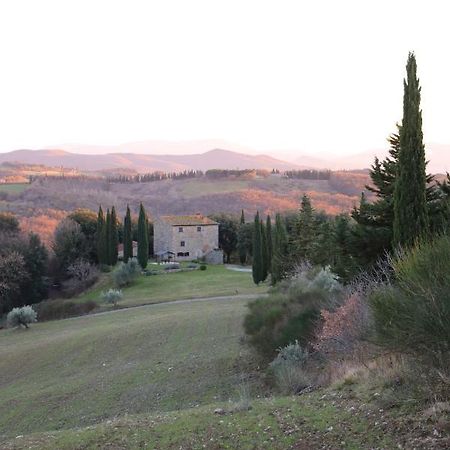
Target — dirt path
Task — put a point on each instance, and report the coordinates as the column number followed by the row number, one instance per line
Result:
column 175, row 302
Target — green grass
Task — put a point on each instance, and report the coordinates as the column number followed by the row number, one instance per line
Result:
column 277, row 423
column 216, row 281
column 14, row 188
column 76, row 372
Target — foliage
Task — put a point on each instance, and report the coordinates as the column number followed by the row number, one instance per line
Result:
column 113, row 238
column 203, row 267
column 21, row 317
column 87, row 219
column 102, row 250
column 264, row 252
column 127, row 237
column 142, row 250
column 8, row 223
column 291, row 311
column 82, row 275
column 228, row 230
column 13, row 275
column 68, row 244
column 257, row 264
column 289, row 368
column 62, row 309
column 245, row 242
column 279, row 250
column 241, row 248
column 305, row 229
column 411, row 220
column 125, row 274
column 112, row 296
column 413, row 313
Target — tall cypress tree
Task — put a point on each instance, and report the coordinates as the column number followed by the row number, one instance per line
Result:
column 113, row 238
column 242, row 249
column 142, row 251
column 107, row 238
column 127, row 237
column 264, row 252
column 101, row 238
column 411, row 220
column 257, row 267
column 269, row 244
column 279, row 249
column 306, row 228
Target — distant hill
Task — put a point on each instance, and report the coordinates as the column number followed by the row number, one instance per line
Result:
column 213, row 159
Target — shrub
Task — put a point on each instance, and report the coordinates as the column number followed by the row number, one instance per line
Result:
column 203, row 267
column 83, row 275
column 61, row 309
column 413, row 312
column 112, row 296
column 126, row 273
column 291, row 311
column 289, row 368
column 21, row 316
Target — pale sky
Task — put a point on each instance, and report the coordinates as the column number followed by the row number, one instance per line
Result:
column 311, row 76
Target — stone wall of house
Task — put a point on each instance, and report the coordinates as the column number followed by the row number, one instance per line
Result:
column 198, row 240
column 162, row 239
column 214, row 257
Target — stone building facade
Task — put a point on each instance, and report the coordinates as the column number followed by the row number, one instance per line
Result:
column 187, row 237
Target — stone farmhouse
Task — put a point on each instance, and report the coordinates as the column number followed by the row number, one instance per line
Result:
column 185, row 238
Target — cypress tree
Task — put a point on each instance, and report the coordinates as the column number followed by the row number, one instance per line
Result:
column 411, row 220
column 113, row 238
column 142, row 250
column 264, row 252
column 279, row 249
column 101, row 237
column 107, row 238
column 242, row 250
column 257, row 268
column 127, row 237
column 306, row 228
column 269, row 243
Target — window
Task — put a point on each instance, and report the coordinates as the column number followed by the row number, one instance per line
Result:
column 180, row 254
column 182, row 244
column 186, row 254
column 199, row 228
column 180, row 229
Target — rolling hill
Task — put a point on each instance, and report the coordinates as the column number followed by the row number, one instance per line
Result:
column 213, row 159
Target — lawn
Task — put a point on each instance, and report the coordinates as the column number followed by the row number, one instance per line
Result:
column 76, row 372
column 14, row 188
column 216, row 281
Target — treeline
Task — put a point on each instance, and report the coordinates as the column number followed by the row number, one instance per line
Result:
column 155, row 176
column 308, row 174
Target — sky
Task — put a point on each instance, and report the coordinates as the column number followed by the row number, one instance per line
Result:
column 317, row 77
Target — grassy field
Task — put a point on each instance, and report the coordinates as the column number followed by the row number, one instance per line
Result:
column 216, row 281
column 14, row 188
column 316, row 421
column 75, row 372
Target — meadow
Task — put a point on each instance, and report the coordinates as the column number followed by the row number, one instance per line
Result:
column 14, row 188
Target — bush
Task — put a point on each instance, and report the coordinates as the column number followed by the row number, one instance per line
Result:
column 112, row 296
column 413, row 312
column 289, row 369
column 126, row 273
column 291, row 311
column 83, row 275
column 61, row 309
column 203, row 267
column 21, row 317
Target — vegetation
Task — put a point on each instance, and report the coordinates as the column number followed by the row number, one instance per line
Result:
column 112, row 296
column 142, row 251
column 21, row 317
column 258, row 263
column 127, row 237
column 126, row 273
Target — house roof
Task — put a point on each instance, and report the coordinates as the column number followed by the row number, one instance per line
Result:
column 196, row 219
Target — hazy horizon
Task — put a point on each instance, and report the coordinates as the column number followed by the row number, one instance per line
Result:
column 286, row 79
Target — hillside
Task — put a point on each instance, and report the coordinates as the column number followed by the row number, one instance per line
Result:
column 213, row 159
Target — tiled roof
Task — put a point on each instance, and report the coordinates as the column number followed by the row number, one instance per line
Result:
column 196, row 219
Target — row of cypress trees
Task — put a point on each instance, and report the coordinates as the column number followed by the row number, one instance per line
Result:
column 108, row 237
column 269, row 249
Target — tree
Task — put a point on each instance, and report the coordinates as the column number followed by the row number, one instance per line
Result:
column 411, row 220
column 264, row 252
column 8, row 223
column 306, row 229
column 142, row 250
column 241, row 246
column 68, row 244
column 113, row 238
column 127, row 237
column 13, row 275
column 269, row 238
column 36, row 262
column 228, row 230
column 257, row 265
column 102, row 253
column 87, row 220
column 107, row 237
column 279, row 249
